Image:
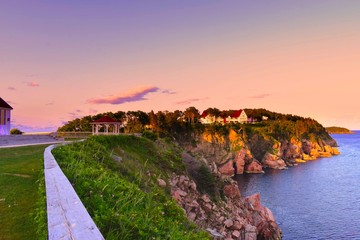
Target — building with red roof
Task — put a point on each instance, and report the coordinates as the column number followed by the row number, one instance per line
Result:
column 5, row 117
column 238, row 116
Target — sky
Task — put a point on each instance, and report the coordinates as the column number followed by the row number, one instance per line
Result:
column 60, row 60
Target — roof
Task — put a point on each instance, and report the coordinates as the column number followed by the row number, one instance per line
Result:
column 4, row 104
column 204, row 114
column 237, row 113
column 105, row 119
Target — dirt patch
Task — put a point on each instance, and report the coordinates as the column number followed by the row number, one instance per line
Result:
column 17, row 175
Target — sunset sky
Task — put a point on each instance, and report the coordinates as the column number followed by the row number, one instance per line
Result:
column 65, row 59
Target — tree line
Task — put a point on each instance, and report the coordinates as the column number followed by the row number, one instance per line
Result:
column 182, row 124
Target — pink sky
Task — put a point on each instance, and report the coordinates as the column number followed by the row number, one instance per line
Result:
column 61, row 60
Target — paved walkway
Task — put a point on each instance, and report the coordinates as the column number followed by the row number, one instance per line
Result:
column 26, row 140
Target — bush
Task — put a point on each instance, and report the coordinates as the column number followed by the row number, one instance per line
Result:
column 150, row 135
column 15, row 131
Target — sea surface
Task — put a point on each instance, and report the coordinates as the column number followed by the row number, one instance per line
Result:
column 315, row 200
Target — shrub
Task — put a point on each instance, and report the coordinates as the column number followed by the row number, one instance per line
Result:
column 15, row 131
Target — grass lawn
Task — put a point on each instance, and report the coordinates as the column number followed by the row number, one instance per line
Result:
column 21, row 171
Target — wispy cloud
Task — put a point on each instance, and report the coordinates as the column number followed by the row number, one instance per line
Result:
column 132, row 96
column 168, row 91
column 93, row 111
column 34, row 128
column 188, row 101
column 11, row 88
column 264, row 95
column 32, row 84
column 49, row 104
column 76, row 114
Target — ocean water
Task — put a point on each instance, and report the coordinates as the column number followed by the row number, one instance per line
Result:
column 315, row 200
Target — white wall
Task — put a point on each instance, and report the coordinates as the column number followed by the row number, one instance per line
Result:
column 5, row 129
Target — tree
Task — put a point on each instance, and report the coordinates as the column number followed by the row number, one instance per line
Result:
column 192, row 115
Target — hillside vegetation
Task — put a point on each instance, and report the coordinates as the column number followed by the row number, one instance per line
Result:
column 338, row 130
column 117, row 177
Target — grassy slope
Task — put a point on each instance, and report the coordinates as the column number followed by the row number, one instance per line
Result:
column 123, row 198
column 19, row 194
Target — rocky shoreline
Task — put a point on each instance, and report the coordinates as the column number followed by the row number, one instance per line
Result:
column 233, row 155
column 238, row 217
column 235, row 217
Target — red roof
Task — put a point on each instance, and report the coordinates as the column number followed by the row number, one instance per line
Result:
column 4, row 104
column 204, row 114
column 105, row 119
column 236, row 114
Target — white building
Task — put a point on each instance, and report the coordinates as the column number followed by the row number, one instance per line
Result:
column 5, row 119
column 238, row 116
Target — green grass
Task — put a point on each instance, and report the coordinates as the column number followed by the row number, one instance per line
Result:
column 123, row 197
column 22, row 202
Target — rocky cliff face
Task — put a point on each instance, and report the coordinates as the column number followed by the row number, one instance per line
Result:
column 234, row 154
column 237, row 217
column 234, row 217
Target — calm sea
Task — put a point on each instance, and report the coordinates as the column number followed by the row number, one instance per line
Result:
column 315, row 200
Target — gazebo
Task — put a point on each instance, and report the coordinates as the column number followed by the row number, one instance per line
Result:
column 105, row 122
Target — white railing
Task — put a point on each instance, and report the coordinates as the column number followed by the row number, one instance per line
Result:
column 66, row 214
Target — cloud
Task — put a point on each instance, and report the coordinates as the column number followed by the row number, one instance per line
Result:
column 93, row 111
column 264, row 95
column 188, row 101
column 49, row 104
column 76, row 114
column 132, row 96
column 33, row 128
column 32, row 84
column 167, row 91
column 11, row 88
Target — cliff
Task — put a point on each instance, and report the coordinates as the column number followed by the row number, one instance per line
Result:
column 238, row 149
column 136, row 188
column 190, row 163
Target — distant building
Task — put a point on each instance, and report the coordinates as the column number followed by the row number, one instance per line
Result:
column 238, row 116
column 5, row 118
column 206, row 118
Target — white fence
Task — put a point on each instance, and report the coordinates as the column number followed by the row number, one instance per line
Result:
column 67, row 216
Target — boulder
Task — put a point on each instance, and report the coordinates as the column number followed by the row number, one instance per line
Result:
column 240, row 161
column 272, row 161
column 314, row 153
column 236, row 234
column 250, row 232
column 336, row 151
column 227, row 169
column 161, row 183
column 254, row 167
column 192, row 216
column 308, row 157
column 306, row 146
column 254, row 200
column 229, row 223
column 324, row 154
column 232, row 191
